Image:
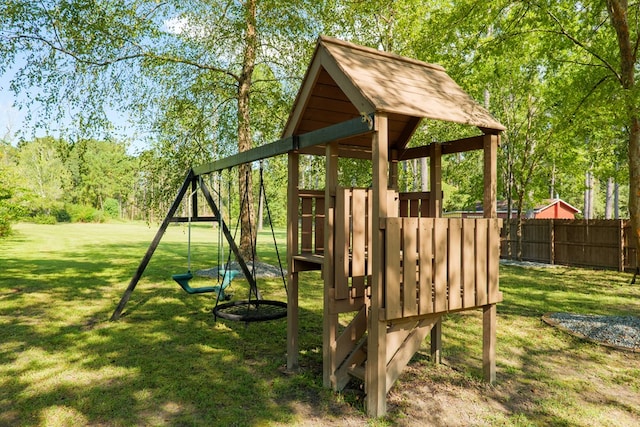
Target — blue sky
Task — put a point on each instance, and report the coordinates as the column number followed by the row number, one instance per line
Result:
column 14, row 124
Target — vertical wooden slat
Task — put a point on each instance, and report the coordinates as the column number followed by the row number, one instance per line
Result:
column 494, row 261
column 481, row 261
column 393, row 302
column 404, row 208
column 319, row 228
column 425, row 240
column 393, row 202
column 440, row 260
column 424, row 206
column 342, row 216
column 306, row 236
column 358, row 245
column 409, row 260
column 414, row 208
column 455, row 263
column 468, row 262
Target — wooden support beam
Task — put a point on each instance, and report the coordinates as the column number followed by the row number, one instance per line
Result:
column 489, row 203
column 489, row 320
column 448, row 147
column 346, row 129
column 375, row 384
column 292, row 246
column 329, row 320
column 408, row 348
column 152, row 247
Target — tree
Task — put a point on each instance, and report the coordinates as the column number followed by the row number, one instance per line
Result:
column 152, row 57
column 44, row 174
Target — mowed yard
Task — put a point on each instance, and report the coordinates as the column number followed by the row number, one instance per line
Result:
column 167, row 362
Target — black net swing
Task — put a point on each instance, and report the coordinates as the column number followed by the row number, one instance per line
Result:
column 254, row 309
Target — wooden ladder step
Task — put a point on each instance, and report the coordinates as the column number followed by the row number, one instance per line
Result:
column 357, row 372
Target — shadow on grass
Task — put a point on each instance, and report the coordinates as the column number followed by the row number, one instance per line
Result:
column 166, row 362
column 545, row 377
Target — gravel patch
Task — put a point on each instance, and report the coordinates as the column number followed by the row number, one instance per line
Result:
column 622, row 332
column 527, row 263
column 263, row 270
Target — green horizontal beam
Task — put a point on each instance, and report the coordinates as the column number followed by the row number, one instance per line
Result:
column 349, row 128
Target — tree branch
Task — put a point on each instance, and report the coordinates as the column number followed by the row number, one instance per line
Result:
column 578, row 43
column 108, row 62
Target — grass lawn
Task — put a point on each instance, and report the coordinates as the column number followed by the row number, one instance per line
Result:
column 167, row 362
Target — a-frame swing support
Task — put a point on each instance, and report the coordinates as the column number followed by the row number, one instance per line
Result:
column 193, row 180
column 342, row 130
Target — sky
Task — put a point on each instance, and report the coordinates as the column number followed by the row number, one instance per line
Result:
column 14, row 124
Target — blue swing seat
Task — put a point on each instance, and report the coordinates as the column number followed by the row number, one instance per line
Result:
column 228, row 276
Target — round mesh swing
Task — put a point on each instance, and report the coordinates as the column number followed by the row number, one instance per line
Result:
column 251, row 310
column 254, row 309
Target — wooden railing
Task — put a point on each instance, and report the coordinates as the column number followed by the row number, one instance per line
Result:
column 311, row 222
column 432, row 265
column 437, row 265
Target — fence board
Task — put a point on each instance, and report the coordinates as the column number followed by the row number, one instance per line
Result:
column 593, row 243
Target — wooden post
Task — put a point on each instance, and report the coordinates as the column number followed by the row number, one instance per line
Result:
column 329, row 320
column 292, row 249
column 489, row 342
column 490, row 175
column 375, row 383
column 435, row 177
column 489, row 205
column 435, row 209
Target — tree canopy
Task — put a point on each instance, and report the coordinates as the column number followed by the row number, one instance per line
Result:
column 204, row 79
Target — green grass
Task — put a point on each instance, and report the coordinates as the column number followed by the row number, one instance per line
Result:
column 166, row 362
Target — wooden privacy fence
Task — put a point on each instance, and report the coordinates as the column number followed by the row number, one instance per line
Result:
column 605, row 244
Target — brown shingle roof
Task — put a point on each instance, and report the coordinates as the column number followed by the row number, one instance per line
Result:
column 345, row 81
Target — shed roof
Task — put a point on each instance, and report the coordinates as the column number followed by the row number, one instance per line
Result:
column 546, row 204
column 345, row 81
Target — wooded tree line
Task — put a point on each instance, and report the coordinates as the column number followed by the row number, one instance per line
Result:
column 203, row 79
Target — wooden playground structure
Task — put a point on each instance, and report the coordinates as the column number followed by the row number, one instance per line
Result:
column 391, row 266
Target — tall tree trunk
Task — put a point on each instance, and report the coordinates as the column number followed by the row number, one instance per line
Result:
column 608, row 205
column 424, row 174
column 247, row 229
column 618, row 12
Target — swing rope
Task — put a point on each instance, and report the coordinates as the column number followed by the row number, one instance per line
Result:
column 258, row 309
column 273, row 233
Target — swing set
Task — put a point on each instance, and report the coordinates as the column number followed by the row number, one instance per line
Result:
column 252, row 309
column 392, row 266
